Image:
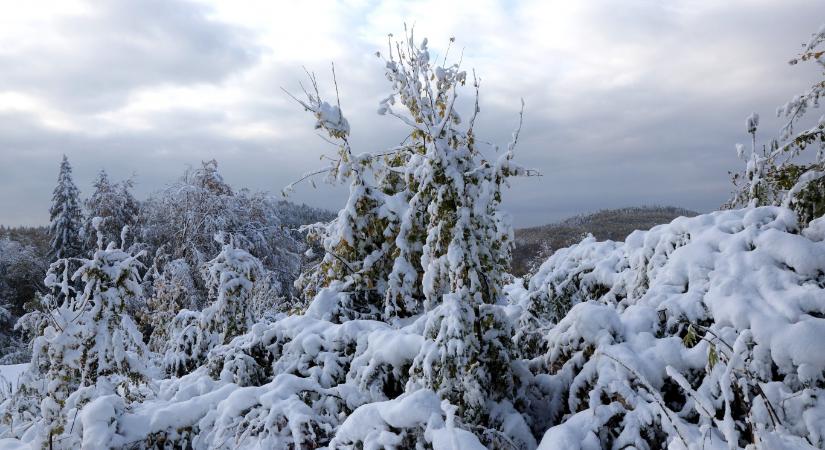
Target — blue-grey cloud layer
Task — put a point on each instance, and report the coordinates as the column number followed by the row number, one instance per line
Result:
column 629, row 103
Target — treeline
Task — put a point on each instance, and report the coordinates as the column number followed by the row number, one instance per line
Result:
column 175, row 228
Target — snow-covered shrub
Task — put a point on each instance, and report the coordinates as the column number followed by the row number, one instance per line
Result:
column 704, row 332
column 417, row 420
column 185, row 350
column 573, row 275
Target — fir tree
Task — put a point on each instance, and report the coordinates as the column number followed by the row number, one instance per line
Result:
column 65, row 216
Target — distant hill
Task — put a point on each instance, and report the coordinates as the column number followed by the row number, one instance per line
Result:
column 534, row 245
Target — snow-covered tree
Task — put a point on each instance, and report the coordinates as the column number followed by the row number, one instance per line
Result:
column 184, row 217
column 779, row 174
column 436, row 217
column 115, row 205
column 88, row 340
column 232, row 277
column 112, row 344
column 467, row 241
column 65, row 216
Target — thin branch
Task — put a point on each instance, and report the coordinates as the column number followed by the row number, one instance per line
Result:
column 290, row 186
column 516, row 134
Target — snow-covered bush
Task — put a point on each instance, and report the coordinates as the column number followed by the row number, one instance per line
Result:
column 702, row 331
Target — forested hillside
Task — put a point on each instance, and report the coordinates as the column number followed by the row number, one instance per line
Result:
column 535, row 244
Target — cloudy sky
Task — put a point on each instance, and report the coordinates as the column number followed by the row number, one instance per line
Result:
column 628, row 102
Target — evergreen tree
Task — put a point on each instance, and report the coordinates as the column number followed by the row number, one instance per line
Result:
column 115, row 205
column 65, row 216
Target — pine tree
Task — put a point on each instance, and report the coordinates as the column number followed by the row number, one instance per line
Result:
column 65, row 216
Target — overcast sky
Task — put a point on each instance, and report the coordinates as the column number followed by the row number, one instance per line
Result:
column 629, row 102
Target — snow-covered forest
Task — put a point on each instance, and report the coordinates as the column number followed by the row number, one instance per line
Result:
column 207, row 317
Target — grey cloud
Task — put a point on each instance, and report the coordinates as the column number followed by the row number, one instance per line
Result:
column 100, row 59
column 664, row 135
